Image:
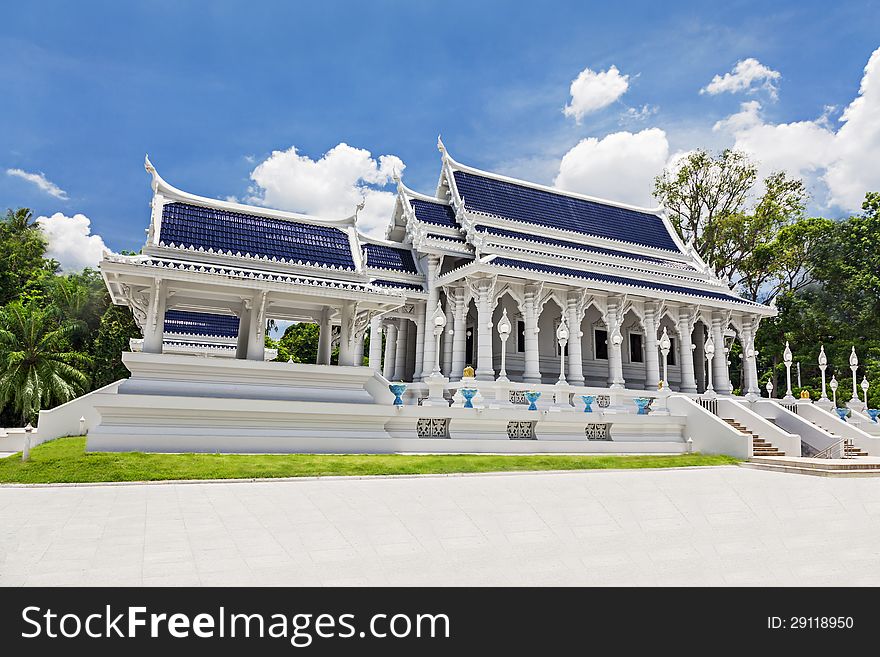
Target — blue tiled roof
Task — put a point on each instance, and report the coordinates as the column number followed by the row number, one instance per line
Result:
column 388, row 257
column 399, row 284
column 433, row 213
column 191, row 225
column 491, row 230
column 221, row 326
column 608, row 278
column 536, row 206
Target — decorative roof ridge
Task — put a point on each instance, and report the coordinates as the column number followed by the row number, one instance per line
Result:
column 614, row 265
column 249, row 256
column 586, row 247
column 161, row 186
column 157, row 262
column 367, row 239
column 538, row 228
column 411, row 194
column 726, row 291
column 458, row 166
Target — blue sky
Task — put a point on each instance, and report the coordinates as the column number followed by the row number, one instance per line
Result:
column 211, row 89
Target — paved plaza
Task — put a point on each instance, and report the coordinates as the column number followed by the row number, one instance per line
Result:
column 706, row 526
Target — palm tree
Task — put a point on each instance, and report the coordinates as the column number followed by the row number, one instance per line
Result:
column 36, row 368
column 20, row 220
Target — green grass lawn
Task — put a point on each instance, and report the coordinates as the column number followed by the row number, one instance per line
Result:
column 65, row 460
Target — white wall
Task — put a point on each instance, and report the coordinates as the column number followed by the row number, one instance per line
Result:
column 710, row 434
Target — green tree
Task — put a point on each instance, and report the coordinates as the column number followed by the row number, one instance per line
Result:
column 708, row 201
column 37, row 367
column 22, row 247
column 116, row 328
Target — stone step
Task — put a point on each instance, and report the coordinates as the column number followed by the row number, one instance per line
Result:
column 814, row 471
column 827, row 464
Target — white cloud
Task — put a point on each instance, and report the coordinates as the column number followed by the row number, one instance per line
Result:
column 330, row 187
column 592, row 90
column 71, row 242
column 843, row 162
column 618, row 167
column 748, row 75
column 40, row 180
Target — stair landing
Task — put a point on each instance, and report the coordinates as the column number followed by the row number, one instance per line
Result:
column 861, row 466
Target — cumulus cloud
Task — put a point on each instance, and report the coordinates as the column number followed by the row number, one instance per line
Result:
column 71, row 242
column 747, row 75
column 842, row 160
column 40, row 180
column 330, row 187
column 618, row 167
column 593, row 90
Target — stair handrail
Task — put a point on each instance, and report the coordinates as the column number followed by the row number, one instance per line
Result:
column 828, row 452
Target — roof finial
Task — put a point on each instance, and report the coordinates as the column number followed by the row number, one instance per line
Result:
column 395, row 176
column 440, row 146
column 148, row 165
column 359, row 207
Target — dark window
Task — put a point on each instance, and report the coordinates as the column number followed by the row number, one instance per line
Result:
column 601, row 344
column 520, row 336
column 469, row 347
column 635, row 348
column 672, row 351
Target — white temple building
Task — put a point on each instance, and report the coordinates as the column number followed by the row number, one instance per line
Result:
column 538, row 289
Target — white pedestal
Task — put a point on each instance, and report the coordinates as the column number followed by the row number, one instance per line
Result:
column 857, row 406
column 502, row 394
column 660, row 405
column 561, row 391
column 436, row 386
column 825, row 404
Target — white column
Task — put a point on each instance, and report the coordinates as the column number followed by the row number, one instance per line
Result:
column 154, row 325
column 686, row 352
column 325, row 338
column 530, row 310
column 358, row 348
column 390, row 350
column 720, row 372
column 447, row 341
column 751, row 356
column 613, row 318
column 346, row 334
column 409, row 367
column 376, row 343
column 419, row 352
column 575, row 354
column 459, row 300
column 484, row 292
column 652, row 355
column 400, row 352
column 433, row 269
column 244, row 325
column 257, row 330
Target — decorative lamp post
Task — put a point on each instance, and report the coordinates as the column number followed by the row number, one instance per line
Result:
column 786, row 358
column 665, row 344
column 865, row 386
column 709, row 349
column 439, row 320
column 562, row 338
column 833, row 386
column 769, row 387
column 26, row 451
column 823, row 363
column 504, row 329
column 854, row 365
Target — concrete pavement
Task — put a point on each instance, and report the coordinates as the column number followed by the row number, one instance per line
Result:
column 700, row 526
